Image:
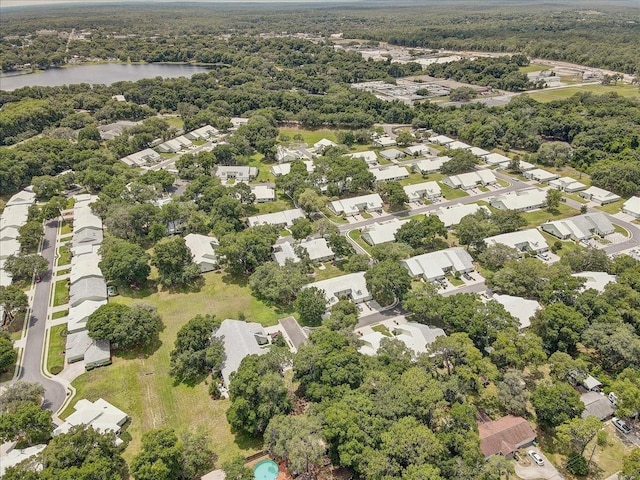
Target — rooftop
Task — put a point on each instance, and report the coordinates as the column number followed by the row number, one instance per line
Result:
column 285, row 217
column 100, row 415
column 452, row 214
column 353, row 205
column 596, row 280
column 382, row 232
column 522, row 240
column 435, row 265
column 505, row 435
column 352, row 286
column 520, row 308
column 520, row 199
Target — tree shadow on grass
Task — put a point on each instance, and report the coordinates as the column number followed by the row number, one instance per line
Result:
column 193, row 287
column 247, row 442
column 148, row 288
column 137, row 353
column 235, row 279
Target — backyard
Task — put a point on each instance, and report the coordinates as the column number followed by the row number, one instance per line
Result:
column 140, row 384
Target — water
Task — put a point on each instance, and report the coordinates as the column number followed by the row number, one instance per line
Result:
column 266, row 470
column 105, row 74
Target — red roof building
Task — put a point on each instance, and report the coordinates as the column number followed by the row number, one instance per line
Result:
column 505, row 435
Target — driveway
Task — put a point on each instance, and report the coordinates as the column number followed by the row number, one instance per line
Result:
column 528, row 470
column 29, row 371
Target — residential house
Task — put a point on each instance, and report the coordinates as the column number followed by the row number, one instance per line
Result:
column 436, row 265
column 13, row 456
column 466, row 181
column 318, row 250
column 88, row 288
column 440, row 139
column 170, row 146
column 263, row 193
column 596, row 280
column 355, row 205
column 14, row 216
column 420, row 149
column 417, row 337
column 592, row 384
column 505, row 436
column 240, row 173
column 580, row 227
column 596, row 404
column 479, row 152
column 390, row 173
column 81, row 347
column 530, row 240
column 540, row 175
column 240, row 339
column 203, row 248
column 141, row 159
column 184, row 141
column 452, row 214
column 497, row 160
column 203, row 133
column 352, row 286
column 632, row 207
column 599, row 195
column 23, row 197
column 99, row 415
column 79, row 314
column 426, row 166
column 321, row 145
column 456, row 145
column 384, row 141
column 287, row 155
column 85, row 265
column 368, row 156
column 382, row 232
column 426, row 190
column 522, row 309
column 285, row 168
column 567, row 184
column 391, row 154
column 280, row 219
column 238, row 122
column 520, row 200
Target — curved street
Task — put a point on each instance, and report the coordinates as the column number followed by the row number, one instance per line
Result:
column 30, row 369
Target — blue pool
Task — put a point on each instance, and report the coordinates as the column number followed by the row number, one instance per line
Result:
column 265, row 470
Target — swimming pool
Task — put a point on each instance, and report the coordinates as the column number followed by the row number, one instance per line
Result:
column 265, row 470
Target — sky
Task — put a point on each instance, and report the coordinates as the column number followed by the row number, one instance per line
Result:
column 20, row 3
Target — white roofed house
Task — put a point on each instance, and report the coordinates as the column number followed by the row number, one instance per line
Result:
column 520, row 200
column 567, row 184
column 595, row 280
column 479, row 152
column 599, row 195
column 390, row 173
column 100, row 415
column 170, row 146
column 466, row 181
column 285, row 168
column 457, row 145
column 80, row 346
column 240, row 173
column 88, row 288
column 429, row 190
column 420, row 149
column 240, row 339
column 540, row 175
column 368, row 156
column 429, row 165
column 632, row 207
column 384, row 141
column 530, row 240
column 287, row 155
column 318, row 250
column 280, row 219
column 184, row 141
column 580, row 227
column 355, row 205
column 416, row 336
column 452, row 214
column 23, row 197
column 435, row 265
column 441, row 139
column 520, row 308
column 496, row 159
column 524, row 166
column 79, row 314
column 203, row 248
column 352, row 286
column 392, row 154
column 142, row 158
column 322, row 144
column 263, row 193
column 203, row 133
column 382, row 232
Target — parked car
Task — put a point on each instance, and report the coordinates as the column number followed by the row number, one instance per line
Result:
column 613, row 399
column 112, row 291
column 621, row 425
column 535, row 456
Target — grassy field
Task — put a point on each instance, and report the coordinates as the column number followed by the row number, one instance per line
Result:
column 175, row 122
column 64, row 256
column 311, row 136
column 538, row 217
column 330, row 270
column 534, row 67
column 66, row 228
column 356, row 235
column 452, row 193
column 612, row 208
column 141, row 386
column 61, row 293
column 57, row 345
column 620, row 230
column 561, row 93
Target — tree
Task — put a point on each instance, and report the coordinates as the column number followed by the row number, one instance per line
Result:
column 279, row 284
column 507, row 221
column 393, row 193
column 513, row 393
column 28, row 424
column 461, row 161
column 422, row 234
column 553, row 199
column 80, row 453
column 564, row 368
column 258, row 393
column 573, row 435
column 160, row 457
column 297, row 440
column 174, row 262
column 235, row 469
column 405, row 138
column 555, row 154
column 124, row 263
column 559, row 326
column 627, row 390
column 19, row 393
column 301, row 228
column 46, row 186
column 197, row 456
column 8, row 354
column 395, row 251
column 514, row 350
column 23, row 267
column 474, row 228
column 631, row 466
column 587, row 260
column 343, row 317
column 195, row 351
column 495, row 256
column 310, row 201
column 311, row 305
column 125, row 327
column 325, row 228
column 14, row 300
column 387, row 282
column 340, row 246
column 555, row 404
column 30, row 235
column 462, row 94
column 244, row 251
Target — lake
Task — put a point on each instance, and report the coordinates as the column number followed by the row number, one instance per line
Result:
column 105, row 74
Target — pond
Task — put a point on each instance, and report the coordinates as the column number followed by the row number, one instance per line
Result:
column 104, row 74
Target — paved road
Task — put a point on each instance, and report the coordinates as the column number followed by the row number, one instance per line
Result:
column 55, row 393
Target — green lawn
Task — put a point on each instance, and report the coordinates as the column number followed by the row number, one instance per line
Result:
column 538, row 217
column 503, row 183
column 561, row 93
column 15, row 327
column 311, row 136
column 575, row 196
column 534, row 67
column 57, row 345
column 282, row 202
column 412, row 179
column 330, row 270
column 66, row 229
column 452, row 193
column 612, row 208
column 141, row 386
column 175, row 122
column 264, row 169
column 357, row 236
column 8, row 374
column 60, row 273
column 620, row 230
column 61, row 293
column 334, row 218
column 456, row 282
column 61, row 314
column 381, row 329
column 64, row 256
